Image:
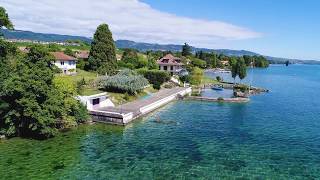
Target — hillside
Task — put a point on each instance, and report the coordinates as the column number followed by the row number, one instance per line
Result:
column 28, row 35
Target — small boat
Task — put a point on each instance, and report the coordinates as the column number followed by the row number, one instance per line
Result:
column 218, row 87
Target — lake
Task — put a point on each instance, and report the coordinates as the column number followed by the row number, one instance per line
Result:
column 274, row 136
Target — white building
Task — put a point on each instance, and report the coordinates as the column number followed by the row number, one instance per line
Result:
column 67, row 64
column 171, row 64
column 96, row 101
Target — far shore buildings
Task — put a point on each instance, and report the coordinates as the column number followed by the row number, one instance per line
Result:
column 67, row 64
column 171, row 64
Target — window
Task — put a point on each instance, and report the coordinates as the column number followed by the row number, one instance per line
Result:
column 165, row 68
column 95, row 101
column 62, row 62
column 171, row 68
column 70, row 63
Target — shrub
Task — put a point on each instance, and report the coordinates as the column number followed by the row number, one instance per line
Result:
column 220, row 99
column 241, row 87
column 219, row 79
column 155, row 77
column 198, row 63
column 186, row 78
column 81, row 64
column 196, row 76
column 125, row 81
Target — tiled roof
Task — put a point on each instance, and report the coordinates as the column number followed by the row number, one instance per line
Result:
column 169, row 59
column 82, row 54
column 23, row 49
column 63, row 57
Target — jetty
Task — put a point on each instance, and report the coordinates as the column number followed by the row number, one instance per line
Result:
column 124, row 114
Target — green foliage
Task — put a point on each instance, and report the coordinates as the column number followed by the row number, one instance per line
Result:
column 32, row 103
column 54, row 47
column 238, row 68
column 186, row 78
column 241, row 87
column 125, row 81
column 68, row 51
column 196, row 76
column 155, row 77
column 242, row 68
column 198, row 63
column 102, row 57
column 81, row 64
column 4, row 19
column 256, row 61
column 152, row 64
column 209, row 58
column 131, row 60
column 186, row 50
column 219, row 79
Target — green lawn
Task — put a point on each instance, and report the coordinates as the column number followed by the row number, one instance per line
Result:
column 81, row 74
column 208, row 80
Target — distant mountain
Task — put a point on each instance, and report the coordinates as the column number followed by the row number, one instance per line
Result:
column 28, row 35
column 172, row 47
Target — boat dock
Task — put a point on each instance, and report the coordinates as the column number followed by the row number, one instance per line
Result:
column 124, row 114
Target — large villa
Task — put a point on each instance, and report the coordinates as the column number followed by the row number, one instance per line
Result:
column 171, row 64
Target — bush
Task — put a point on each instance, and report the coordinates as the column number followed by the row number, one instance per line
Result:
column 220, row 99
column 219, row 79
column 125, row 81
column 186, row 78
column 198, row 63
column 196, row 76
column 241, row 87
column 155, row 77
column 81, row 64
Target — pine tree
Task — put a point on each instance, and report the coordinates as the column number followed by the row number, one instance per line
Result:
column 186, row 50
column 102, row 57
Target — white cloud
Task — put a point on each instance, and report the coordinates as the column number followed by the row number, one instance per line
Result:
column 128, row 19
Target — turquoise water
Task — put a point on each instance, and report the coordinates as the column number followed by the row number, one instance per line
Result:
column 225, row 93
column 274, row 136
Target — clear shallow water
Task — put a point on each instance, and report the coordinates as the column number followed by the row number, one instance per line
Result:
column 274, row 136
column 225, row 93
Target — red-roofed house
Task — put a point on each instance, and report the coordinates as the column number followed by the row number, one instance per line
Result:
column 171, row 64
column 82, row 54
column 66, row 63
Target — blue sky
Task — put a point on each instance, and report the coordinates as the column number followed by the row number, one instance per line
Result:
column 280, row 28
column 289, row 28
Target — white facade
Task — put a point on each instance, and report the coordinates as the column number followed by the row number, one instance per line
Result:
column 67, row 67
column 172, row 69
column 96, row 101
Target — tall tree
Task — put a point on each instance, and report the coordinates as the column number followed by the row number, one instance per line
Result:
column 242, row 68
column 102, row 57
column 4, row 19
column 186, row 50
column 234, row 68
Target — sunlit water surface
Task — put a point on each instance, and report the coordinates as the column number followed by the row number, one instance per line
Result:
column 274, row 136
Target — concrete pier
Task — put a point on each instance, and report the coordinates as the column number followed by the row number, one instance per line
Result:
column 125, row 113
